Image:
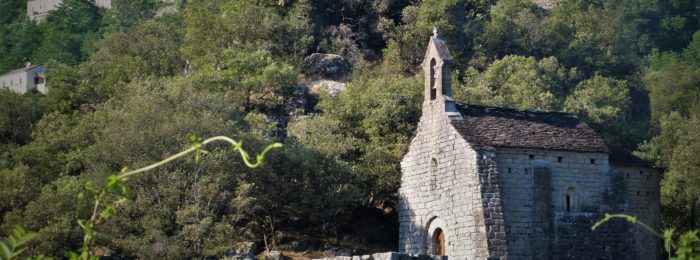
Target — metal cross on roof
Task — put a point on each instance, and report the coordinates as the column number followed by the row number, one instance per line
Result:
column 435, row 32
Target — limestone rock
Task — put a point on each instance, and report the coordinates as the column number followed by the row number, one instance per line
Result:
column 332, row 88
column 326, row 66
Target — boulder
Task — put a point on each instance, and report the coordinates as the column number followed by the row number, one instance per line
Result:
column 332, row 88
column 330, row 66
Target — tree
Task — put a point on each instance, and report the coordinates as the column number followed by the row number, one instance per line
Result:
column 247, row 24
column 126, row 13
column 676, row 149
column 513, row 81
column 457, row 22
column 514, row 29
column 592, row 37
column 18, row 41
column 64, row 30
column 16, row 117
column 257, row 80
column 600, row 100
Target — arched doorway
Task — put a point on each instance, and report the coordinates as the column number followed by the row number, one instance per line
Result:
column 438, row 242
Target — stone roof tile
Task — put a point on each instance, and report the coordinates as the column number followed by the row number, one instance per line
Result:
column 488, row 127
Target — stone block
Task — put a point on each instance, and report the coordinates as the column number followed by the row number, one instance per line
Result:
column 385, row 256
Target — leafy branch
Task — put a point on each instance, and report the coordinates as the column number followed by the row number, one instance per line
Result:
column 13, row 246
column 688, row 246
column 115, row 192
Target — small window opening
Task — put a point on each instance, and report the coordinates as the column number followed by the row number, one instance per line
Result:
column 592, row 161
column 571, row 245
column 433, row 89
column 641, row 173
column 638, row 193
column 532, row 156
column 559, row 159
column 508, row 170
column 568, row 203
column 433, row 173
column 525, row 171
column 648, row 193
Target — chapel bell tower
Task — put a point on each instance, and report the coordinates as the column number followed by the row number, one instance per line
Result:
column 437, row 66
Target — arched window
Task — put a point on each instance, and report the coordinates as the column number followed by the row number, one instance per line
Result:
column 433, row 89
column 433, row 173
column 438, row 242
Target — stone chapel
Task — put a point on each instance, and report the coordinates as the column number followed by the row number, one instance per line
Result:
column 485, row 182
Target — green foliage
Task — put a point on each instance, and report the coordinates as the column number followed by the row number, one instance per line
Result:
column 368, row 126
column 14, row 245
column 18, row 40
column 593, row 37
column 126, row 13
column 257, row 80
column 117, row 97
column 514, row 29
column 66, row 32
column 600, row 100
column 676, row 148
column 247, row 24
column 513, row 81
column 457, row 23
column 16, row 117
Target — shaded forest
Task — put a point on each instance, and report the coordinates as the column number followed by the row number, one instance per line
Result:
column 128, row 85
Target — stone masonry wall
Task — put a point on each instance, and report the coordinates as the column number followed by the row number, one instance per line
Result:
column 642, row 196
column 535, row 185
column 447, row 195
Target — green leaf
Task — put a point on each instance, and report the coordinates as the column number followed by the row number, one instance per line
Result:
column 108, row 212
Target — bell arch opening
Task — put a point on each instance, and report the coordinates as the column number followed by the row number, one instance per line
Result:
column 433, row 89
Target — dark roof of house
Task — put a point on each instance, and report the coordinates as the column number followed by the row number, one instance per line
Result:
column 23, row 69
column 488, row 127
column 628, row 159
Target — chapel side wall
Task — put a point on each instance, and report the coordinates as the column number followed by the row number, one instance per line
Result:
column 643, row 200
column 452, row 195
column 529, row 175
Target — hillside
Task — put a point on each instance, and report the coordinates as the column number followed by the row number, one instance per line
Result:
column 337, row 83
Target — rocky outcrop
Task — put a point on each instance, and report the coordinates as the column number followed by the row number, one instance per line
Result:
column 327, row 66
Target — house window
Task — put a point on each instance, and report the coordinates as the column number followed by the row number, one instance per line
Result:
column 559, row 159
column 508, row 170
column 525, row 171
column 592, row 161
column 433, row 89
column 532, row 156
